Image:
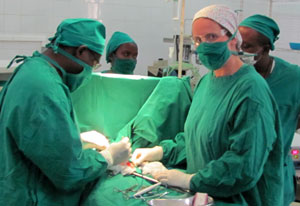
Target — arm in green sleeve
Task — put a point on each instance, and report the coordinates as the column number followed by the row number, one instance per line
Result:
column 174, row 151
column 50, row 139
column 242, row 165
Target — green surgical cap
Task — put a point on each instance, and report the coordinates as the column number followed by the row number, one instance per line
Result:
column 116, row 40
column 264, row 25
column 77, row 32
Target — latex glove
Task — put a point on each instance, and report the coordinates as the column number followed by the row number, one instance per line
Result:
column 153, row 168
column 117, row 152
column 94, row 139
column 123, row 168
column 174, row 178
column 147, row 154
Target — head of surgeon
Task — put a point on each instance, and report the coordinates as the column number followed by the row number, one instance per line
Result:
column 121, row 52
column 76, row 47
column 216, row 38
column 259, row 34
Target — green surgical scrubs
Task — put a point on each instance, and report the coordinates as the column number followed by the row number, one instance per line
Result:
column 284, row 82
column 42, row 161
column 233, row 140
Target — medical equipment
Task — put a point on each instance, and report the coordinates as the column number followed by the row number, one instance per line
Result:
column 126, row 191
column 295, row 150
column 199, row 199
column 147, row 189
column 187, row 47
column 295, row 153
column 294, row 45
column 145, row 177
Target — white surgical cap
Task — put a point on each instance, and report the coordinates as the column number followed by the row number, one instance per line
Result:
column 223, row 16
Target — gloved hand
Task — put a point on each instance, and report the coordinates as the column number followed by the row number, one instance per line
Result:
column 147, row 154
column 174, row 178
column 94, row 139
column 117, row 152
column 153, row 168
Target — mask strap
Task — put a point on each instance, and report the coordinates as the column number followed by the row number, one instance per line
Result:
column 242, row 53
column 233, row 36
column 55, row 64
column 68, row 55
column 71, row 57
column 17, row 59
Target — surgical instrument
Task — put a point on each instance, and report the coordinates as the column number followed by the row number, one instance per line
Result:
column 147, row 189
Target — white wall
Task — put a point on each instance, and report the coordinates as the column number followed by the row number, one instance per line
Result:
column 25, row 25
column 147, row 21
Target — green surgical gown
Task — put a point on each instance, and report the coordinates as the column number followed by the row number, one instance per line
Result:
column 42, row 161
column 284, row 82
column 233, row 140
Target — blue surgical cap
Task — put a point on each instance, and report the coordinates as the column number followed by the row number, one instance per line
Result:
column 264, row 25
column 80, row 31
column 116, row 40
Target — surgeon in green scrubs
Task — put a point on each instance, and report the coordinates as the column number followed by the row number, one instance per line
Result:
column 41, row 155
column 259, row 34
column 232, row 138
column 121, row 53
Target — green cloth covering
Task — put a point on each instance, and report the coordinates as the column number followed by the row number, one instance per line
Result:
column 106, row 191
column 163, row 114
column 233, row 140
column 117, row 39
column 285, row 86
column 147, row 110
column 103, row 103
column 80, row 31
column 42, row 161
column 264, row 25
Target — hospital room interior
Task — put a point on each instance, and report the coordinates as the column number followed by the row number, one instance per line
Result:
column 156, row 118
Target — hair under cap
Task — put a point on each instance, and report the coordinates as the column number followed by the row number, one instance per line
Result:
column 77, row 32
column 222, row 15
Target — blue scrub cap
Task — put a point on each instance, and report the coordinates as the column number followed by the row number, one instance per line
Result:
column 117, row 39
column 77, row 32
column 264, row 25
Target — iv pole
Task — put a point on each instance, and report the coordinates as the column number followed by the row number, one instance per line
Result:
column 181, row 39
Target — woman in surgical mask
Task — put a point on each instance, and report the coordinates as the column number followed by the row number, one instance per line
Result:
column 231, row 142
column 121, row 53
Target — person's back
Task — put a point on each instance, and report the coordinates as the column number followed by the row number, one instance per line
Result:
column 285, row 86
column 259, row 33
column 42, row 159
column 23, row 182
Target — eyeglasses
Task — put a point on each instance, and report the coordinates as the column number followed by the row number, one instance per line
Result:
column 210, row 37
column 96, row 66
column 96, row 59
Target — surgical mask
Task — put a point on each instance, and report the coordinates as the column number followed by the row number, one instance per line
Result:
column 123, row 66
column 73, row 81
column 247, row 58
column 214, row 55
